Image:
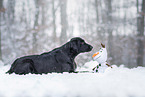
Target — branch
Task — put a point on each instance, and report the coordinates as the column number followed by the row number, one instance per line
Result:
column 93, row 68
column 109, row 65
column 103, row 45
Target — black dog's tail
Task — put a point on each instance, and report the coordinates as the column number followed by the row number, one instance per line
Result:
column 11, row 69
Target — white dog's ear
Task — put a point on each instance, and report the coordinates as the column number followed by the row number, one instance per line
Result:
column 103, row 45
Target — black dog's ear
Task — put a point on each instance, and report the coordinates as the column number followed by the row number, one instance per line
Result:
column 73, row 46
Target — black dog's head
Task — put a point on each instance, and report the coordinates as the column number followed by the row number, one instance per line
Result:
column 79, row 45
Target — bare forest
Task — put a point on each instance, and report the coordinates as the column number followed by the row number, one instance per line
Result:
column 36, row 26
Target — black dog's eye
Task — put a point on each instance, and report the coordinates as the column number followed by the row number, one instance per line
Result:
column 82, row 43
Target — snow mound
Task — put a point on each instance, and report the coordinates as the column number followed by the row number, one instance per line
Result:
column 115, row 82
column 1, row 63
column 88, row 66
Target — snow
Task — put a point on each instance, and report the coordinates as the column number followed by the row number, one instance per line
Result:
column 115, row 82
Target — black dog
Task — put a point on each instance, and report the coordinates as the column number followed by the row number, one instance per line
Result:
column 58, row 60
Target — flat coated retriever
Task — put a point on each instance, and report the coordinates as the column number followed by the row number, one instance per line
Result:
column 58, row 60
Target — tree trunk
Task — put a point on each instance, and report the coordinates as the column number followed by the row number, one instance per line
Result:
column 109, row 29
column 97, row 18
column 35, row 26
column 140, row 34
column 10, row 22
column 54, row 18
column 43, row 14
column 63, row 7
column 11, row 10
column 97, row 11
column 1, row 6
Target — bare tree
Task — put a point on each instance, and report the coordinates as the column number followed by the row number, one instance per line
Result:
column 43, row 7
column 11, row 10
column 140, row 34
column 1, row 7
column 35, row 26
column 10, row 20
column 99, row 29
column 109, row 28
column 54, row 20
column 64, row 23
column 97, row 10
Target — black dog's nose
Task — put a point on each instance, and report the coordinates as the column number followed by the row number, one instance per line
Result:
column 91, row 47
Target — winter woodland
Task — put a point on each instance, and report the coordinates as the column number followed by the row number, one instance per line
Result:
column 36, row 26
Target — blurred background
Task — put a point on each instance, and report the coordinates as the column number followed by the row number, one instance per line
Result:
column 36, row 26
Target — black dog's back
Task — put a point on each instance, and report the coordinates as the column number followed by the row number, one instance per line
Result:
column 44, row 63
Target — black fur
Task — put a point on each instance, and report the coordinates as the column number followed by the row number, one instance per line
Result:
column 58, row 60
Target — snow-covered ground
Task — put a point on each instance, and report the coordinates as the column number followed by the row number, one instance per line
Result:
column 116, row 82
